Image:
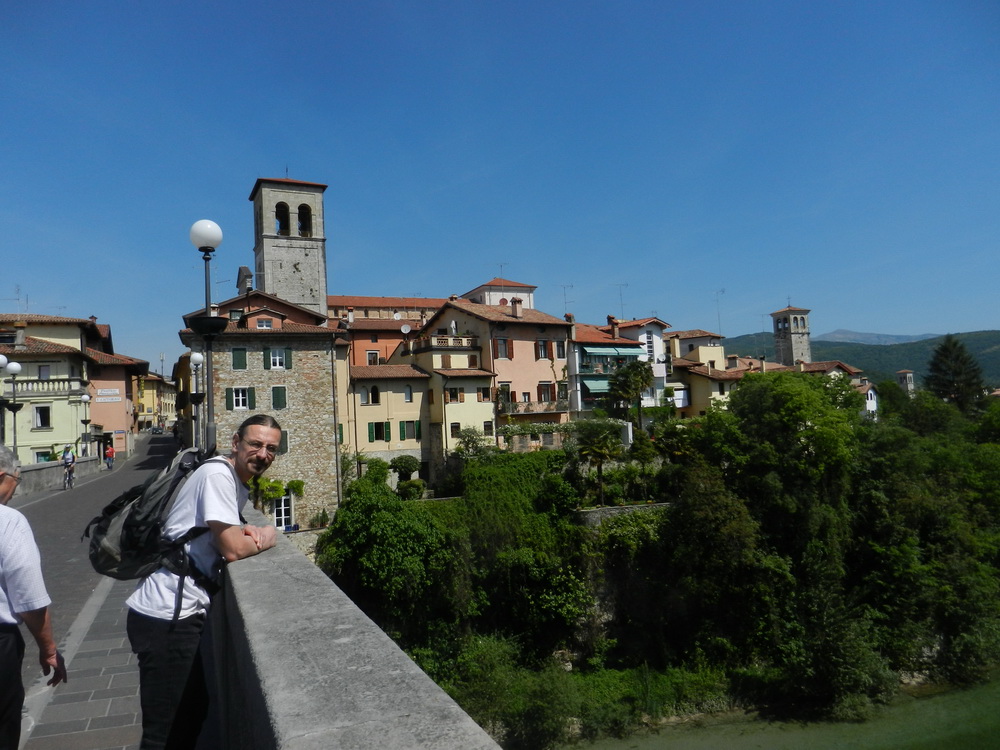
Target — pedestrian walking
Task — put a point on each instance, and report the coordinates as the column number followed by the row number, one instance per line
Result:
column 109, row 456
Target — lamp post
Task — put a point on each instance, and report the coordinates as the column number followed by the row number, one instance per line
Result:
column 14, row 369
column 85, row 400
column 196, row 398
column 207, row 236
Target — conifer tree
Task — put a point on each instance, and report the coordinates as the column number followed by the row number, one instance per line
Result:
column 955, row 376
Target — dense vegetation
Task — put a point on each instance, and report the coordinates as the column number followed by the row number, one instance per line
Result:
column 803, row 560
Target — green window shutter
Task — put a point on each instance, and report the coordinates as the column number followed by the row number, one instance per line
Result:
column 417, row 424
column 239, row 359
column 279, row 397
column 288, row 359
column 402, row 430
column 388, row 432
column 371, row 432
column 283, row 443
column 340, row 432
column 229, row 399
column 267, row 359
column 252, row 398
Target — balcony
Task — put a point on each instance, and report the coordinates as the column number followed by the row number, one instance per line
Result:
column 446, row 342
column 532, row 407
column 51, row 387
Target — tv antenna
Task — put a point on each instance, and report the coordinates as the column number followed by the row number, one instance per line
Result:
column 566, row 301
column 718, row 308
column 621, row 299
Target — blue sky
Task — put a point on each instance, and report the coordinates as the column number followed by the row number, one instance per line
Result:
column 706, row 162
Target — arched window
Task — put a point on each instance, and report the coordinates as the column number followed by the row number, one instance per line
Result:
column 282, row 222
column 375, row 395
column 364, row 395
column 305, row 221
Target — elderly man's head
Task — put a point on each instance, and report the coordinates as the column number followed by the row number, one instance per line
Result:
column 10, row 474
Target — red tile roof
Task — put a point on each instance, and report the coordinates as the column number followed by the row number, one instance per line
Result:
column 503, row 313
column 637, row 323
column 465, row 373
column 418, row 303
column 588, row 334
column 694, row 333
column 34, row 345
column 387, row 372
column 379, row 324
column 504, row 283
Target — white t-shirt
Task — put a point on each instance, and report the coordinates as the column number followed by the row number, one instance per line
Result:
column 210, row 494
column 23, row 589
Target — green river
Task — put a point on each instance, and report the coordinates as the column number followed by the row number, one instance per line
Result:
column 956, row 720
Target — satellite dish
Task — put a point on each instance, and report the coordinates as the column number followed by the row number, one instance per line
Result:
column 405, row 329
column 396, row 316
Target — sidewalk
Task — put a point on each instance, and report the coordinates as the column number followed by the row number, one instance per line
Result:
column 98, row 709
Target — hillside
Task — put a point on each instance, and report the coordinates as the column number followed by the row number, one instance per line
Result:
column 881, row 362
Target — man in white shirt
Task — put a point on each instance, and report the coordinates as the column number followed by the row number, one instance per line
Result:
column 23, row 598
column 172, row 691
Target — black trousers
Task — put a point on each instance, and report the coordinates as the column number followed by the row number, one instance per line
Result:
column 11, row 688
column 172, row 691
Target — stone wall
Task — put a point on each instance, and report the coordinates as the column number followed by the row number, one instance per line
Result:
column 305, row 668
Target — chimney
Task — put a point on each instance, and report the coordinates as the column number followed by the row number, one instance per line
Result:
column 515, row 307
column 350, row 315
column 571, row 319
column 453, row 298
column 613, row 322
column 20, row 327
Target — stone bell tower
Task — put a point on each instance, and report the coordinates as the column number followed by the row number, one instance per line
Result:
column 290, row 242
column 791, row 336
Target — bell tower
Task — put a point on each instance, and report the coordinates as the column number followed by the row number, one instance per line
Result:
column 791, row 336
column 290, row 242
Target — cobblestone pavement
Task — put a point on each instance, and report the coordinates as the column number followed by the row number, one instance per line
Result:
column 98, row 708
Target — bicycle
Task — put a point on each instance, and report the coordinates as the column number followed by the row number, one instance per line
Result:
column 68, row 477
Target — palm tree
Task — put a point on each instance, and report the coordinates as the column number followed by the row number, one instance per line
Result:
column 599, row 441
column 629, row 382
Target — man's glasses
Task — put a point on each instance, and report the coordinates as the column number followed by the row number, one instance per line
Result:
column 256, row 447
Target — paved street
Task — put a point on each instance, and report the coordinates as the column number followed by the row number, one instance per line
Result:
column 99, row 707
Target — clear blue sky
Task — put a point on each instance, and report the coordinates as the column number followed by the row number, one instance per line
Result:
column 721, row 159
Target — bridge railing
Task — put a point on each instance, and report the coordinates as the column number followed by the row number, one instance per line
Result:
column 303, row 667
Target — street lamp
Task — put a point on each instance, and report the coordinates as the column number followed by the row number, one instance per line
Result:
column 197, row 358
column 14, row 369
column 85, row 399
column 207, row 236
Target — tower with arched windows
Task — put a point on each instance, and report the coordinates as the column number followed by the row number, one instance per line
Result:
column 290, row 242
column 791, row 336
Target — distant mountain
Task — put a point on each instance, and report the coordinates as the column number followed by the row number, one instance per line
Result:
column 882, row 361
column 877, row 339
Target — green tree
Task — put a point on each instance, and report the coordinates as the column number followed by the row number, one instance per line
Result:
column 955, row 376
column 628, row 383
column 405, row 466
column 599, row 441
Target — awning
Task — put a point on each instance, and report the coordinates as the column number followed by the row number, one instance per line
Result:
column 595, row 384
column 612, row 351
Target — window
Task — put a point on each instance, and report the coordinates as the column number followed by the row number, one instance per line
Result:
column 456, row 429
column 454, row 395
column 305, row 221
column 235, row 313
column 562, row 389
column 649, row 345
column 379, row 431
column 374, row 338
column 376, row 395
column 279, row 397
column 43, row 417
column 409, row 430
column 372, row 357
column 560, row 350
column 44, row 372
column 240, row 398
column 502, row 349
column 473, row 361
column 265, row 323
column 277, row 359
column 548, row 438
column 283, row 511
column 525, row 397
column 722, row 389
column 483, row 394
column 546, row 392
column 446, row 361
column 363, row 393
column 488, row 428
column 505, row 393
column 281, row 219
column 543, row 349
column 239, row 359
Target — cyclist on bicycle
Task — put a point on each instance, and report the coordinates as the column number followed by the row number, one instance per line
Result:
column 68, row 459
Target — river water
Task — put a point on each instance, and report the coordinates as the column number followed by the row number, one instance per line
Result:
column 957, row 720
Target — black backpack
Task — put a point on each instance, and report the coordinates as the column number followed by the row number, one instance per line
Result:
column 125, row 539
